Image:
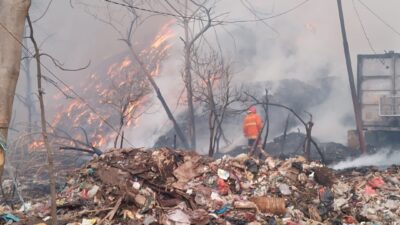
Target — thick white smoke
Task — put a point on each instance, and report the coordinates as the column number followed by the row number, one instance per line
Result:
column 382, row 158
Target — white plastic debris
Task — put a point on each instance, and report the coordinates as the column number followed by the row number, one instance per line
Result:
column 215, row 196
column 89, row 221
column 178, row 216
column 223, row 174
column 93, row 191
column 136, row 185
column 27, row 206
column 284, row 189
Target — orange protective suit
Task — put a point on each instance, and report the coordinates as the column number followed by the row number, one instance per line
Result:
column 252, row 125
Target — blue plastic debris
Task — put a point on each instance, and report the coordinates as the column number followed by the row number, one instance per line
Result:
column 222, row 210
column 3, row 144
column 91, row 171
column 10, row 217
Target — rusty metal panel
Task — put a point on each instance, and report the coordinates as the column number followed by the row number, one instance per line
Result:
column 373, row 97
column 370, row 113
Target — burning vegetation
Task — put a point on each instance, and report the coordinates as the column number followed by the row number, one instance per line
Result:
column 116, row 95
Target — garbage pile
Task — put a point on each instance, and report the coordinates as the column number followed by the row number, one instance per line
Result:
column 292, row 144
column 172, row 187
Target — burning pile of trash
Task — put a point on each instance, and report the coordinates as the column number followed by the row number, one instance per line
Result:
column 173, row 187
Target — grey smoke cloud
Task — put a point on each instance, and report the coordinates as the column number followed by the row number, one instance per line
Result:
column 304, row 43
column 309, row 41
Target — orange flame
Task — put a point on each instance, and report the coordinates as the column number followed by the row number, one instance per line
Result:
column 108, row 92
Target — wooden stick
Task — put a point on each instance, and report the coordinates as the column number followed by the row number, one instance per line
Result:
column 112, row 213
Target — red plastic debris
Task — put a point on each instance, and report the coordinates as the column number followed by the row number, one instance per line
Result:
column 376, row 182
column 321, row 192
column 350, row 220
column 369, row 190
column 223, row 187
column 84, row 194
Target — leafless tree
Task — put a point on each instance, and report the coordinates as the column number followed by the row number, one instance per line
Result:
column 126, row 30
column 28, row 100
column 125, row 97
column 36, row 55
column 214, row 90
column 44, row 126
column 192, row 14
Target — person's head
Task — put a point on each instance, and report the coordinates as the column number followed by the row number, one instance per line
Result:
column 252, row 109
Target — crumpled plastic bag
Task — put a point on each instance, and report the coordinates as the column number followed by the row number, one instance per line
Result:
column 284, row 189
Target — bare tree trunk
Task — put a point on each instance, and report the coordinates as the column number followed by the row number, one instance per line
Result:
column 220, row 131
column 28, row 92
column 12, row 20
column 122, row 140
column 266, row 109
column 44, row 129
column 307, row 147
column 212, row 116
column 211, row 126
column 189, row 89
column 285, row 129
column 118, row 135
column 189, row 43
column 160, row 97
column 121, row 125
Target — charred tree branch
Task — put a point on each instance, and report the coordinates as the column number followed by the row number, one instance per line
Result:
column 308, row 127
column 79, row 150
column 44, row 129
column 159, row 96
column 59, row 65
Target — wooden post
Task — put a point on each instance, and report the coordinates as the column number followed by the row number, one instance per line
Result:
column 356, row 105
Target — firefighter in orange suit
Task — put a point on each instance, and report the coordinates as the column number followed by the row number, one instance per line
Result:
column 252, row 125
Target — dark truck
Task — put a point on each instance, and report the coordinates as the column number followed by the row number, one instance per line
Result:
column 378, row 89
